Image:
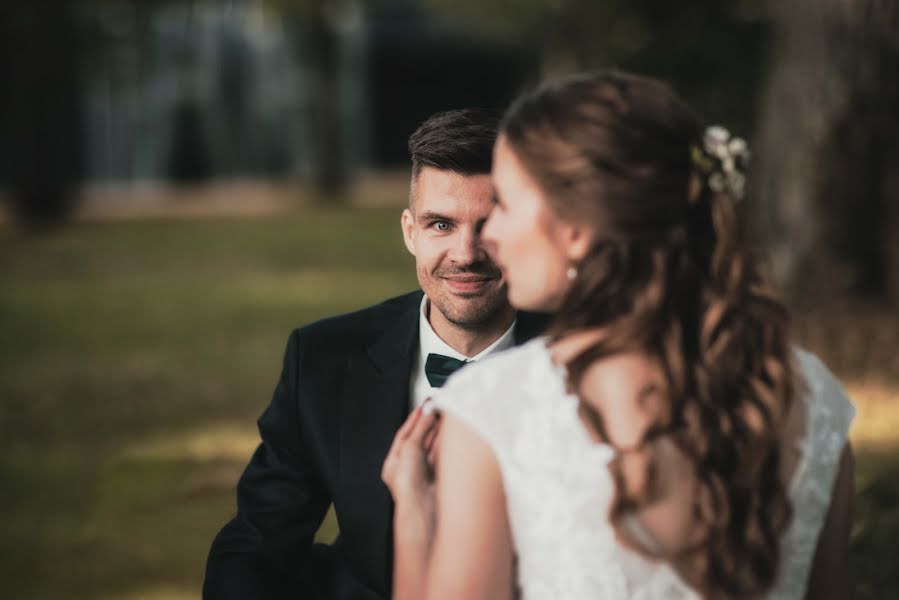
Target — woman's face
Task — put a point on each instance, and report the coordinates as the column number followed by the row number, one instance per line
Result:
column 532, row 246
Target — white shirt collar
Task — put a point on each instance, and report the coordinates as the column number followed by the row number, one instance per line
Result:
column 430, row 342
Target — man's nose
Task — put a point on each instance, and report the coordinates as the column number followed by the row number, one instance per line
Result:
column 469, row 247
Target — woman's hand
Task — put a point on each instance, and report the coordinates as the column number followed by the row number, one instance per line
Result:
column 410, row 465
column 409, row 471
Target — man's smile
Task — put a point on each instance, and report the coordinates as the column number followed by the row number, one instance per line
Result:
column 469, row 284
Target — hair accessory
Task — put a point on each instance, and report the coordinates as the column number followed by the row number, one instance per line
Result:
column 722, row 161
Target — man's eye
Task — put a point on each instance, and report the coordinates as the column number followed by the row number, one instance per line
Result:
column 442, row 226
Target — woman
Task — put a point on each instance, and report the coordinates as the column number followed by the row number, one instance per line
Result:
column 663, row 440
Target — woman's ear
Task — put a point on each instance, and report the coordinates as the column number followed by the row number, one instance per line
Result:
column 577, row 240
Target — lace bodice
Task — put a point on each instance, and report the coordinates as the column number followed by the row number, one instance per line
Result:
column 558, row 488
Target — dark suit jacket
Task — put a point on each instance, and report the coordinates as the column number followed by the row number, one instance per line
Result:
column 342, row 395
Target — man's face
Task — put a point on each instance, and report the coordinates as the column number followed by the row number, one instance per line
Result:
column 442, row 229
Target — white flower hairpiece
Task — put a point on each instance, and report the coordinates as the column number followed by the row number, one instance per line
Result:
column 723, row 161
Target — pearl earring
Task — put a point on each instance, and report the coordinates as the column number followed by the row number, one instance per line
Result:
column 572, row 273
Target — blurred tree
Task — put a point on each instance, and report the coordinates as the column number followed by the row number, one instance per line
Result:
column 711, row 51
column 319, row 44
column 42, row 129
column 827, row 183
column 235, row 70
column 190, row 160
column 828, row 150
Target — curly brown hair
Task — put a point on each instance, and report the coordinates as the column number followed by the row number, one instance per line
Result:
column 670, row 275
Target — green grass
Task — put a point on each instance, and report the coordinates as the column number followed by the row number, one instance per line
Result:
column 134, row 360
column 136, row 356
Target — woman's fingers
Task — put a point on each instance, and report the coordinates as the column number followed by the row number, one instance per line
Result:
column 431, row 436
column 423, row 425
column 434, row 450
column 405, row 430
column 412, row 445
column 409, row 424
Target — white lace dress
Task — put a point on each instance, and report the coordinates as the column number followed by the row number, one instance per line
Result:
column 558, row 488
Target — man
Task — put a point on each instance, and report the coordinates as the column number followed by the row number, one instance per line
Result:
column 349, row 382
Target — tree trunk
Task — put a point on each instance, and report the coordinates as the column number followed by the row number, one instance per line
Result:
column 43, row 138
column 328, row 160
column 826, row 147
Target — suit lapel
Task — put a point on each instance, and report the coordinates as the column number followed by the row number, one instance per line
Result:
column 374, row 405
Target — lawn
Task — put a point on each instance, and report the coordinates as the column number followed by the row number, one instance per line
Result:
column 135, row 357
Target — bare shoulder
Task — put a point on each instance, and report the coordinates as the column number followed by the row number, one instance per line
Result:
column 628, row 391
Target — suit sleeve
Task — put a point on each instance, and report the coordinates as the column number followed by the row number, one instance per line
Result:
column 266, row 551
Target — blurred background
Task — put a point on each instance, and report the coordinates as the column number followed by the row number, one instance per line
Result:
column 182, row 183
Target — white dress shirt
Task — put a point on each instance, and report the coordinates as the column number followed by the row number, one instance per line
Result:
column 430, row 343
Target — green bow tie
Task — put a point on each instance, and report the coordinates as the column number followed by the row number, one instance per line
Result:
column 438, row 368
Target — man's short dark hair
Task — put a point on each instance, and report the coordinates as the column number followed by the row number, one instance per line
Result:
column 455, row 140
